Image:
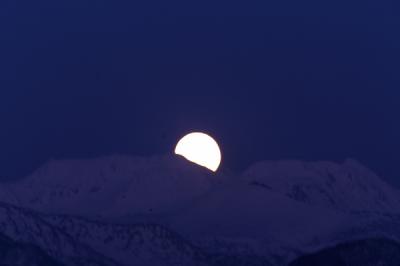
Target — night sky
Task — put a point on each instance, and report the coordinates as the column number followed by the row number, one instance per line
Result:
column 312, row 80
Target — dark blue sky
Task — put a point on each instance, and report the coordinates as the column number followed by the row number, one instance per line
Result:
column 270, row 80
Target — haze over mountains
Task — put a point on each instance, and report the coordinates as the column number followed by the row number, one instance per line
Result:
column 164, row 210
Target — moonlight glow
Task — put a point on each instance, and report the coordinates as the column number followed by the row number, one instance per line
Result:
column 201, row 149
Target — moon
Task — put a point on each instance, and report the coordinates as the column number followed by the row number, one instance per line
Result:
column 200, row 149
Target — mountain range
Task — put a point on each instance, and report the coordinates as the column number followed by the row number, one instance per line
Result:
column 166, row 211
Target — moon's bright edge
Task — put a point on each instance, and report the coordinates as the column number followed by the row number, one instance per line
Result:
column 201, row 149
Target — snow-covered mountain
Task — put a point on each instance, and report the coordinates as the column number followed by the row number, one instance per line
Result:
column 349, row 186
column 165, row 210
column 132, row 244
column 25, row 226
column 115, row 186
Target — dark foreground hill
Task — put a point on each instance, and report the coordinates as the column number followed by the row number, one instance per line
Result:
column 14, row 253
column 368, row 252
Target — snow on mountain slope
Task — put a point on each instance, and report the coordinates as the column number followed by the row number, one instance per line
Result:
column 238, row 221
column 26, row 226
column 240, row 210
column 134, row 244
column 348, row 187
column 111, row 187
column 246, row 220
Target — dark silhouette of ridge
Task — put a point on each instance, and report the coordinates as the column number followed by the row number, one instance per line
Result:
column 367, row 252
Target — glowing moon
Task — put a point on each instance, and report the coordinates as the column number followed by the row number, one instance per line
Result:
column 200, row 149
